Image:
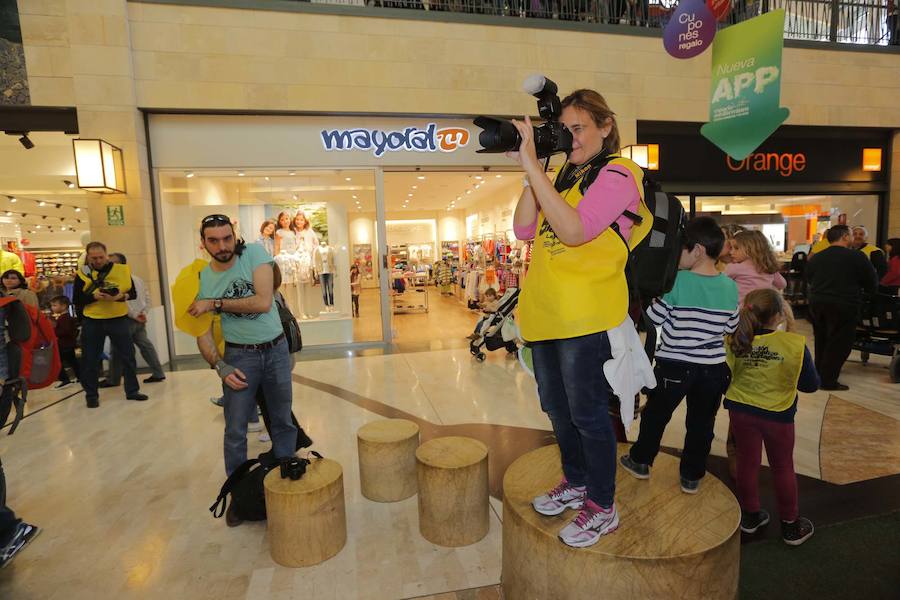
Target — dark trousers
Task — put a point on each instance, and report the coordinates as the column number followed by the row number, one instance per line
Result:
column 93, row 333
column 355, row 299
column 67, row 359
column 327, row 281
column 750, row 432
column 8, row 519
column 574, row 394
column 834, row 329
column 703, row 385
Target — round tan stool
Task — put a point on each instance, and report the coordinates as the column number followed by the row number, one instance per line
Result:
column 306, row 520
column 453, row 490
column 669, row 544
column 387, row 459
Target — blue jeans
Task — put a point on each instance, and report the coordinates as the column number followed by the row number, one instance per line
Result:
column 327, row 280
column 574, row 394
column 269, row 369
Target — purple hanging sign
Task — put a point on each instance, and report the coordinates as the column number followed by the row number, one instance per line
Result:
column 690, row 30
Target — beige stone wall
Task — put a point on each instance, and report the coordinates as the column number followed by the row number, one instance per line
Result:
column 78, row 53
column 109, row 57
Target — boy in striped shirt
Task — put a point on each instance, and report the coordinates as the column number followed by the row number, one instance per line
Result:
column 695, row 316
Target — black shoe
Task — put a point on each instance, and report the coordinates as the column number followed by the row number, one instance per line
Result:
column 797, row 532
column 139, row 397
column 93, row 403
column 690, row 486
column 303, row 440
column 231, row 519
column 23, row 536
column 105, row 384
column 635, row 468
column 836, row 387
column 751, row 522
column 154, row 379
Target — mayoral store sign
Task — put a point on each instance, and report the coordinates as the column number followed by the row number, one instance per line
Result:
column 428, row 138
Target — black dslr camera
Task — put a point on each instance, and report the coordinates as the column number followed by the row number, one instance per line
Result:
column 500, row 135
column 293, row 468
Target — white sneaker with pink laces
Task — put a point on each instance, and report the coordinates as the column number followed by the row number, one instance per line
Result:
column 560, row 498
column 591, row 523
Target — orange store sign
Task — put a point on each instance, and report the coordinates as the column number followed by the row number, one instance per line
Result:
column 784, row 163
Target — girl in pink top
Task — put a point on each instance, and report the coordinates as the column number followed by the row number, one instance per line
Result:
column 753, row 264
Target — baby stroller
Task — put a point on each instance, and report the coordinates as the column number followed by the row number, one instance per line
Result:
column 500, row 330
column 878, row 331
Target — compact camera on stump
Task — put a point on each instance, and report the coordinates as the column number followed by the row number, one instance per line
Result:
column 500, row 135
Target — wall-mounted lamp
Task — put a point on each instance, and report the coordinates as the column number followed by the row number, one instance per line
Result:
column 645, row 155
column 99, row 166
column 871, row 159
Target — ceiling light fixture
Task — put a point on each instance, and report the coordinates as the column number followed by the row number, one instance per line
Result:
column 478, row 177
column 267, row 177
column 68, row 183
column 12, row 199
column 498, row 176
column 28, row 144
column 240, row 173
column 189, row 174
column 77, row 209
column 292, row 173
column 347, row 178
column 294, row 196
column 59, row 206
column 468, row 191
column 38, row 226
column 9, row 213
column 420, row 177
column 42, row 203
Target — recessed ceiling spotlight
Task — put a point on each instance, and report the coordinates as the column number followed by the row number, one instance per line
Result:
column 415, row 187
column 410, row 195
column 498, row 176
column 12, row 199
column 189, row 174
column 354, row 196
column 68, row 183
column 77, row 209
column 9, row 213
column 478, row 177
column 294, row 196
column 468, row 191
column 240, row 173
column 267, row 177
column 59, row 206
column 420, row 177
column 459, row 197
column 347, row 178
column 42, row 203
column 38, row 226
column 292, row 173
column 477, row 185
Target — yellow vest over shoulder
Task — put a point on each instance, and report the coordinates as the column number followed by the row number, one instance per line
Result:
column 767, row 376
column 868, row 249
column 570, row 291
column 120, row 277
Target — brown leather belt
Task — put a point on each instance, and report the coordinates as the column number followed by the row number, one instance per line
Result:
column 263, row 346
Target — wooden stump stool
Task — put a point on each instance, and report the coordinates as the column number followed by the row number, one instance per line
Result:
column 306, row 520
column 387, row 459
column 669, row 544
column 453, row 491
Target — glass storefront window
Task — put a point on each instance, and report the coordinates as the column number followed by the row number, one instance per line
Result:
column 792, row 223
column 315, row 223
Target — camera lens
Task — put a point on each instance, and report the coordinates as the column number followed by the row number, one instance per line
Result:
column 497, row 135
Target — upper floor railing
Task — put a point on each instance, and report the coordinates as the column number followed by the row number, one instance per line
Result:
column 868, row 22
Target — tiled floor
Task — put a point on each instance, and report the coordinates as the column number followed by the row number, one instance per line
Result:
column 123, row 491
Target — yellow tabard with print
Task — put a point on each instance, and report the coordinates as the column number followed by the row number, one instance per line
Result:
column 120, row 277
column 767, row 377
column 570, row 291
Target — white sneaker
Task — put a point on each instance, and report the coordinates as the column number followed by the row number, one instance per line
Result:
column 590, row 524
column 560, row 498
column 264, row 437
column 61, row 386
column 254, row 427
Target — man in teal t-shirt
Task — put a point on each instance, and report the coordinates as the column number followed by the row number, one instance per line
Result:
column 238, row 284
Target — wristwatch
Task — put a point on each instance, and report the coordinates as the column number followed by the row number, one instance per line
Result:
column 217, row 306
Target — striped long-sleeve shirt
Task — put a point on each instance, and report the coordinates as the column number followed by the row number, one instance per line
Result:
column 695, row 316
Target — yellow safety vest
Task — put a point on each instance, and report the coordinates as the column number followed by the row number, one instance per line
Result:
column 819, row 246
column 868, row 249
column 767, row 376
column 120, row 277
column 571, row 291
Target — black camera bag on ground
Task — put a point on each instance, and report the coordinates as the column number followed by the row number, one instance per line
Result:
column 248, row 496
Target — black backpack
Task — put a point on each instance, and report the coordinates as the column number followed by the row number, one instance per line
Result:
column 289, row 325
column 245, row 484
column 654, row 262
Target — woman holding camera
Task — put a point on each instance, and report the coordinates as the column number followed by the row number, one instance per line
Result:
column 575, row 291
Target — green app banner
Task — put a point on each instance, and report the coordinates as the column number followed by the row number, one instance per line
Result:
column 744, row 107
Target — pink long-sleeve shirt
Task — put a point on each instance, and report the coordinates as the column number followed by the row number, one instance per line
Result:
column 748, row 278
column 612, row 193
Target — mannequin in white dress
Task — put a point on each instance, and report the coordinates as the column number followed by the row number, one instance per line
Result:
column 289, row 263
column 307, row 241
column 325, row 269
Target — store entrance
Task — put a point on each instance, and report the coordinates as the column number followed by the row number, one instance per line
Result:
column 435, row 220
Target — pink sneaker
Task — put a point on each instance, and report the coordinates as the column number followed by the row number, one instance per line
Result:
column 560, row 498
column 591, row 523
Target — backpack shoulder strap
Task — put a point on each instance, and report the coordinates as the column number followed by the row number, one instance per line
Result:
column 218, row 507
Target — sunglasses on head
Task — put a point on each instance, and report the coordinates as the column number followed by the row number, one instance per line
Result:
column 216, row 219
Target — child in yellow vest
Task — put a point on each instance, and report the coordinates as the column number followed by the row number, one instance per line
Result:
column 768, row 367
